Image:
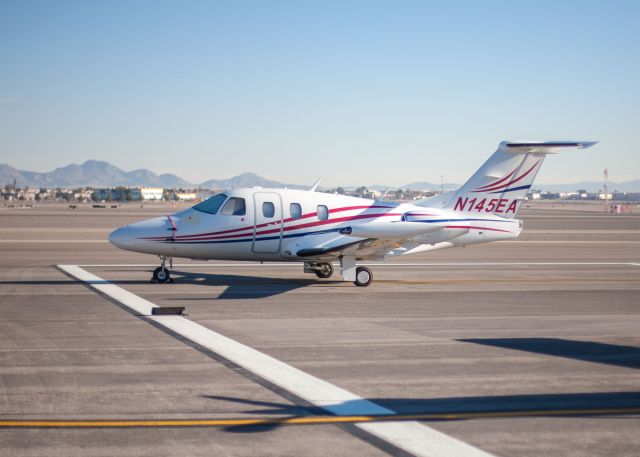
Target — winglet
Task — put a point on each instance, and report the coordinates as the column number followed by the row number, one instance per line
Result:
column 315, row 186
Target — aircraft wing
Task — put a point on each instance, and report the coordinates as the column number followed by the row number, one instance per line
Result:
column 371, row 242
column 323, row 246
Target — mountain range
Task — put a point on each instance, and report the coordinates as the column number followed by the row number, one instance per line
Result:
column 92, row 173
column 95, row 173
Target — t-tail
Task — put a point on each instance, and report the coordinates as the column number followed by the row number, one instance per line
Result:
column 502, row 182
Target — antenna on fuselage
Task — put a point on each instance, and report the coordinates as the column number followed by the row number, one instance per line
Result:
column 315, row 186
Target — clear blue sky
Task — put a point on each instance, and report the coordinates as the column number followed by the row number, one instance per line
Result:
column 359, row 92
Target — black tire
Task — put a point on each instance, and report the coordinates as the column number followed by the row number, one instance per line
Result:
column 325, row 271
column 363, row 277
column 161, row 275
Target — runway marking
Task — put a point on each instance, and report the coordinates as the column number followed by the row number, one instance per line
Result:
column 131, row 301
column 308, row 420
column 410, row 436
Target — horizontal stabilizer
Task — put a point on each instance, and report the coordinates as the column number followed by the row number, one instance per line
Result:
column 545, row 147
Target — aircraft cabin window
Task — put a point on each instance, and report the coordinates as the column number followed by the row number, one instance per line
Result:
column 211, row 205
column 268, row 209
column 234, row 207
column 296, row 210
column 323, row 213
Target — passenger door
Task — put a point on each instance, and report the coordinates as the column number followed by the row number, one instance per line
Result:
column 267, row 229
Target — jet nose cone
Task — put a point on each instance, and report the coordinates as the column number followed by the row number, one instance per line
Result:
column 142, row 236
column 120, row 237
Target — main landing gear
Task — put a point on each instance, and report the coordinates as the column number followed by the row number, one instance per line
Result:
column 360, row 276
column 322, row 270
column 363, row 277
column 162, row 274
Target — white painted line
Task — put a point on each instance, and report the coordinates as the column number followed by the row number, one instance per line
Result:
column 132, row 301
column 411, row 436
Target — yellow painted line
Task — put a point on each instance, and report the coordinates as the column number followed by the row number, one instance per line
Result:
column 309, row 420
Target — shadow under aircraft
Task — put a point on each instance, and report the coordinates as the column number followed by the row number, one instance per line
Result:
column 245, row 287
column 237, row 286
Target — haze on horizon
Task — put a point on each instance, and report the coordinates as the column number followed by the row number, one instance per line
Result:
column 358, row 92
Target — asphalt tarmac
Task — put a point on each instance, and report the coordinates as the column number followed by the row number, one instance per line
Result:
column 519, row 348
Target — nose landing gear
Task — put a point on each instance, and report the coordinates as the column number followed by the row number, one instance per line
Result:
column 162, row 274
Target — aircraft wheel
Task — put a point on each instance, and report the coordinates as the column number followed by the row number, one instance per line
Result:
column 161, row 274
column 363, row 277
column 325, row 270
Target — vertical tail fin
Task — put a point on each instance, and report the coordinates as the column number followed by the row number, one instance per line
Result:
column 500, row 185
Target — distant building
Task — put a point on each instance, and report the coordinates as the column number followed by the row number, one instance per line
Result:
column 82, row 195
column 135, row 194
column 30, row 194
column 569, row 195
column 120, row 194
column 101, row 194
column 186, row 196
column 203, row 195
column 152, row 193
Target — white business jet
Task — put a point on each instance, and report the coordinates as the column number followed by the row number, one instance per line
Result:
column 317, row 228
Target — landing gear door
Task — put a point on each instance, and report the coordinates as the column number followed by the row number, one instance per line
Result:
column 267, row 229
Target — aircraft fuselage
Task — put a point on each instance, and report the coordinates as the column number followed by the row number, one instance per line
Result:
column 286, row 224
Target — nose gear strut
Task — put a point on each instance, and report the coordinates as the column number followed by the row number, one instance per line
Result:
column 162, row 274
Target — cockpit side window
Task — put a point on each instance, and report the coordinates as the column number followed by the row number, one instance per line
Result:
column 234, row 207
column 212, row 204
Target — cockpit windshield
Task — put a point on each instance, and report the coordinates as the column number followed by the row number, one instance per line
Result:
column 211, row 205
